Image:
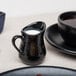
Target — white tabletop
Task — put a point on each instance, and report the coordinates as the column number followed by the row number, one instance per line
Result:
column 9, row 56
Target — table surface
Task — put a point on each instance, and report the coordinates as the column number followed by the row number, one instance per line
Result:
column 9, row 58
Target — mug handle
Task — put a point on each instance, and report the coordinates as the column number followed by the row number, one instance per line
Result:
column 14, row 44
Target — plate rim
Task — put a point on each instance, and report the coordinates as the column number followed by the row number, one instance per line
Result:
column 64, row 50
column 59, row 67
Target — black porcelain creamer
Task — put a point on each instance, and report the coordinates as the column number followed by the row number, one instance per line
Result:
column 32, row 49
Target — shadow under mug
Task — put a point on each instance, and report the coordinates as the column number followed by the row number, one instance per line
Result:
column 2, row 19
column 67, row 27
column 32, row 49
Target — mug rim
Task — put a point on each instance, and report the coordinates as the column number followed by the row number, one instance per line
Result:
column 62, row 21
column 43, row 24
column 2, row 13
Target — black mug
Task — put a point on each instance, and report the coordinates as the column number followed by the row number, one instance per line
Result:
column 2, row 19
column 67, row 27
column 32, row 49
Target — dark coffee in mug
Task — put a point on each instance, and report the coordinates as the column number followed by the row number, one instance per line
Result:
column 71, row 22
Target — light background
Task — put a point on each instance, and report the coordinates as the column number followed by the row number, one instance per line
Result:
column 28, row 7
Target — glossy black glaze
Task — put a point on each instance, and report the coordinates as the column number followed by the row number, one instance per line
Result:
column 41, row 71
column 32, row 49
column 67, row 31
column 53, row 36
column 2, row 19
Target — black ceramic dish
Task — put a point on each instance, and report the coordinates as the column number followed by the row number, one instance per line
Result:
column 53, row 36
column 41, row 71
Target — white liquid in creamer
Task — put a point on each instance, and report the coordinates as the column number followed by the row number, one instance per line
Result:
column 32, row 32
